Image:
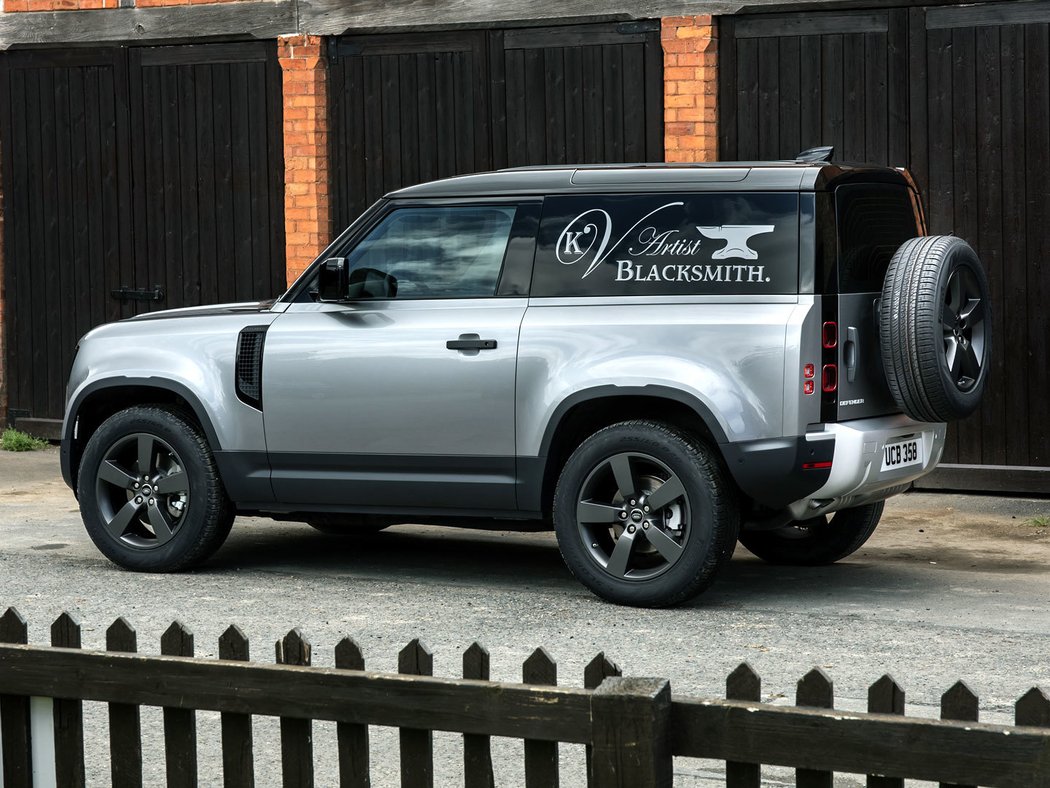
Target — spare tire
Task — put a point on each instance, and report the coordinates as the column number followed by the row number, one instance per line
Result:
column 935, row 328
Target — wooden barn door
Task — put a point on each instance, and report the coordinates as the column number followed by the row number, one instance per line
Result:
column 405, row 109
column 208, row 172
column 960, row 96
column 138, row 179
column 791, row 82
column 67, row 240
column 408, row 108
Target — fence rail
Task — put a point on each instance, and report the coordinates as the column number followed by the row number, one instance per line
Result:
column 632, row 726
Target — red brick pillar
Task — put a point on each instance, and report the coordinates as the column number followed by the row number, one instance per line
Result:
column 307, row 218
column 690, row 88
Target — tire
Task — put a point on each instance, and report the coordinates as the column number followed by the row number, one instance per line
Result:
column 817, row 541
column 935, row 328
column 652, row 565
column 175, row 526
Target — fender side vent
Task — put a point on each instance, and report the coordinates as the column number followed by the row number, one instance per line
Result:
column 249, row 365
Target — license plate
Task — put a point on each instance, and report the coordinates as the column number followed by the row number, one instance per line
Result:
column 902, row 454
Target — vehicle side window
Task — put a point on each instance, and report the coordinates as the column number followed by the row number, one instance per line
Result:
column 668, row 244
column 440, row 251
column 874, row 219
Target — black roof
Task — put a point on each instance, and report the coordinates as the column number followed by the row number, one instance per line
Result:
column 716, row 176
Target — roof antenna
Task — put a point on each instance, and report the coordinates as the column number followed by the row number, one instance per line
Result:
column 823, row 153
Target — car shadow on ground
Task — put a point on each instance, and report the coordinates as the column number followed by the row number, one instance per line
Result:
column 487, row 558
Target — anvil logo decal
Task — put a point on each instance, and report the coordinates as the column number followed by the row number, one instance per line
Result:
column 736, row 237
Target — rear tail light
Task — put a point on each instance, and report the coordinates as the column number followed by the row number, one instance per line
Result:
column 815, row 466
column 830, row 335
column 807, row 387
column 829, row 378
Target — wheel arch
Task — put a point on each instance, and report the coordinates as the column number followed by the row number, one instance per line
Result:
column 585, row 412
column 101, row 399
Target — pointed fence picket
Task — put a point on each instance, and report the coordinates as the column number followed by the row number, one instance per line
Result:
column 238, row 761
column 631, row 727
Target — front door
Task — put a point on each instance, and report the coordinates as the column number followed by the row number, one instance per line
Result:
column 403, row 397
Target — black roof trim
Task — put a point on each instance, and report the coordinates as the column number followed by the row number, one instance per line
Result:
column 659, row 176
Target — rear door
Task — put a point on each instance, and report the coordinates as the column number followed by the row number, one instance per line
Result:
column 873, row 220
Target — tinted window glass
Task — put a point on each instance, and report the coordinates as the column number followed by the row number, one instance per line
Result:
column 668, row 244
column 873, row 221
column 440, row 252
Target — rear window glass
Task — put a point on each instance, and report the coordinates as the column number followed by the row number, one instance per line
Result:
column 667, row 244
column 873, row 221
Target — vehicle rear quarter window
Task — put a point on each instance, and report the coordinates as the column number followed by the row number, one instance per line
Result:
column 667, row 244
column 874, row 219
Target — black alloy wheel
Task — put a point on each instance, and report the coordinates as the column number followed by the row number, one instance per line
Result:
column 142, row 490
column 644, row 514
column 633, row 513
column 150, row 492
column 962, row 320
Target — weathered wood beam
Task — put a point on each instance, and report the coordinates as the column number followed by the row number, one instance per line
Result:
column 462, row 706
column 144, row 25
column 334, row 17
column 842, row 741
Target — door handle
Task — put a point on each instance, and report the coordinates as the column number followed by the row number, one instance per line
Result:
column 849, row 351
column 470, row 342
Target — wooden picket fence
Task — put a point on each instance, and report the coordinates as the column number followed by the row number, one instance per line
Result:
column 632, row 728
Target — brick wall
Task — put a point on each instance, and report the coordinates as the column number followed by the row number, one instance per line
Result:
column 690, row 46
column 307, row 218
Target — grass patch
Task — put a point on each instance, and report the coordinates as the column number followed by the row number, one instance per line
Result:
column 15, row 440
column 1042, row 521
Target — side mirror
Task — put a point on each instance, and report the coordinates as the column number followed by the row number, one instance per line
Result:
column 333, row 279
column 371, row 283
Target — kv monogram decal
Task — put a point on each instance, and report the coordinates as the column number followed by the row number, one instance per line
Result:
column 587, row 238
column 568, row 249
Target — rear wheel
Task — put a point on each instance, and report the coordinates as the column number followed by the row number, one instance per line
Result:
column 819, row 540
column 150, row 493
column 643, row 515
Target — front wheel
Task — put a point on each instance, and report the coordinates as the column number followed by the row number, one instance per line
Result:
column 818, row 540
column 150, row 493
column 643, row 515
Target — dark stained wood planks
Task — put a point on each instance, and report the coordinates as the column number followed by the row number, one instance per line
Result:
column 453, row 103
column 960, row 96
column 191, row 201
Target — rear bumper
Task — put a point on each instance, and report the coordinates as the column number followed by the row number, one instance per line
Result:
column 856, row 475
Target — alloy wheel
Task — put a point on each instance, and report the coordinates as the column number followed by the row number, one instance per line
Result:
column 143, row 491
column 633, row 516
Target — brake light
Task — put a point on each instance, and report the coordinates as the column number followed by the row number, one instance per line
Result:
column 830, row 335
column 829, row 378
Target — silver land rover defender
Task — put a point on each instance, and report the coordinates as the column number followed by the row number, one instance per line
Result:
column 653, row 360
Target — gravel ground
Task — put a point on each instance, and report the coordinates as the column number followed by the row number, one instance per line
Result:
column 950, row 587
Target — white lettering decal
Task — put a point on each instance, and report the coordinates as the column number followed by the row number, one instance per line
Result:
column 587, row 238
